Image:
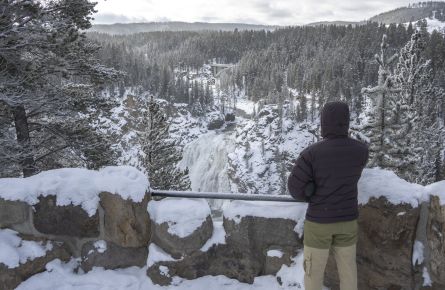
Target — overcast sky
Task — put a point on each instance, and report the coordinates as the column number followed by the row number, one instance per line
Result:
column 273, row 12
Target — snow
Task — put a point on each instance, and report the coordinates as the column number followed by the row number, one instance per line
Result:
column 60, row 275
column 426, row 278
column 218, row 237
column 156, row 254
column 164, row 271
column 275, row 253
column 77, row 186
column 376, row 182
column 435, row 24
column 437, row 189
column 100, row 246
column 182, row 215
column 249, row 107
column 15, row 251
column 418, row 256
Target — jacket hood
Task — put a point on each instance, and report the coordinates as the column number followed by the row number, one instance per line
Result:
column 335, row 119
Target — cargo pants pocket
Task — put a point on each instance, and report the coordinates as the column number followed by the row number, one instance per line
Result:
column 307, row 264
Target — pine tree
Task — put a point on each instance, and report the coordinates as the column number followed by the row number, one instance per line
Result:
column 162, row 153
column 377, row 127
column 49, row 82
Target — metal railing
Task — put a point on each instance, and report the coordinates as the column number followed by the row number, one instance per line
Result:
column 217, row 195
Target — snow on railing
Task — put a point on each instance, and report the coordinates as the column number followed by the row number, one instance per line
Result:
column 217, row 195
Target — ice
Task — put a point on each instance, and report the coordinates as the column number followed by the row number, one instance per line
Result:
column 77, row 186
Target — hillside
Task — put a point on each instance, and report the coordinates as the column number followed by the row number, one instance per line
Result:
column 129, row 28
column 411, row 14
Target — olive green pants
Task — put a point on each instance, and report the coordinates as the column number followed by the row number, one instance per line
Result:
column 318, row 240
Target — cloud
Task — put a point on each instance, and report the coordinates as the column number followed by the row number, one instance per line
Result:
column 276, row 12
column 109, row 18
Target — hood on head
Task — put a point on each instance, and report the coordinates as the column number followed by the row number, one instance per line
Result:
column 335, row 119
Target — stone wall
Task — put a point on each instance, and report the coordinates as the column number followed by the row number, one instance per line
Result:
column 123, row 226
column 120, row 233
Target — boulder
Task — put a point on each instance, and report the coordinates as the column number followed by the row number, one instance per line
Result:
column 177, row 246
column 126, row 223
column 436, row 241
column 111, row 256
column 236, row 263
column 13, row 212
column 260, row 234
column 215, row 124
column 68, row 220
column 230, row 117
column 11, row 278
column 384, row 250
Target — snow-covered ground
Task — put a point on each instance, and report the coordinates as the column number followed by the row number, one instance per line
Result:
column 62, row 276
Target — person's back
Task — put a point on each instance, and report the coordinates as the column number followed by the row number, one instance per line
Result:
column 334, row 165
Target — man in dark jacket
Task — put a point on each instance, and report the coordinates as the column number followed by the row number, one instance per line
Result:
column 332, row 168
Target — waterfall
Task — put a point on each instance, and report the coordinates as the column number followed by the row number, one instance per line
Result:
column 207, row 162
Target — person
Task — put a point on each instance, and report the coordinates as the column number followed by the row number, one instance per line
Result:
column 326, row 176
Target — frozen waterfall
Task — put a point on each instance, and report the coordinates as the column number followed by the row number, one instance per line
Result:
column 207, row 161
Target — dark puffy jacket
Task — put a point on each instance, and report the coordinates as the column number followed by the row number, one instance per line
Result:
column 335, row 165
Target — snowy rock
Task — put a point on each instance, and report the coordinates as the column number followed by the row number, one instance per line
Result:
column 260, row 225
column 276, row 257
column 385, row 245
column 68, row 220
column 232, row 262
column 216, row 122
column 436, row 241
column 113, row 257
column 20, row 259
column 13, row 212
column 77, row 186
column 126, row 223
column 180, row 226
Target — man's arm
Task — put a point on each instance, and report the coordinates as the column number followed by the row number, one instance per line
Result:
column 300, row 177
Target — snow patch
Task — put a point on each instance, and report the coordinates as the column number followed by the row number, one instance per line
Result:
column 376, row 182
column 100, row 246
column 275, row 253
column 437, row 189
column 182, row 215
column 426, row 278
column 15, row 251
column 218, row 237
column 418, row 256
column 77, row 186
column 156, row 254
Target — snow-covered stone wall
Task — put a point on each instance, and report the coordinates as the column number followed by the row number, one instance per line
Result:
column 105, row 219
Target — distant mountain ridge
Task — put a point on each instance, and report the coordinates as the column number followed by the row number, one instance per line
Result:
column 411, row 13
column 129, row 28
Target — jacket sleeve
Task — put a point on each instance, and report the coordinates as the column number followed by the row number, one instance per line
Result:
column 300, row 176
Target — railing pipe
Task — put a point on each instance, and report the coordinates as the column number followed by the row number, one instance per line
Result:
column 217, row 195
